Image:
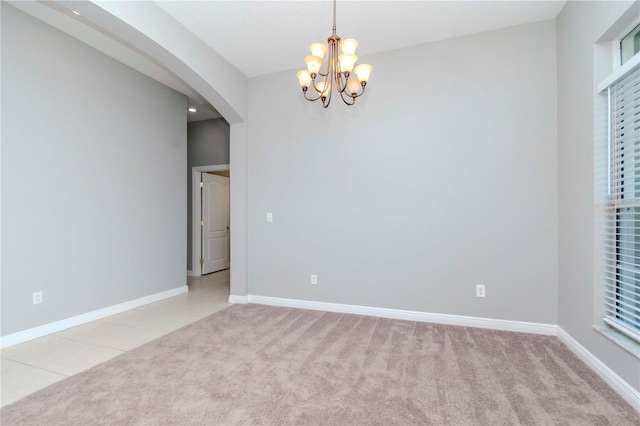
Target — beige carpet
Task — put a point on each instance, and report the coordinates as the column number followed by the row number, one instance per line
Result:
column 252, row 364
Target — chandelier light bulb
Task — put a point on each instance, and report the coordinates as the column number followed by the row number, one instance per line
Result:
column 353, row 86
column 349, row 46
column 363, row 72
column 347, row 62
column 313, row 63
column 304, row 78
column 323, row 87
column 318, row 49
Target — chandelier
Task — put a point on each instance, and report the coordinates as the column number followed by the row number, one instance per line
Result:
column 338, row 71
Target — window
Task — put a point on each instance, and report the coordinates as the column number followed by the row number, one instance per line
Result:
column 622, row 274
column 630, row 45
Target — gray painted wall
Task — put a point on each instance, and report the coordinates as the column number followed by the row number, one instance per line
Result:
column 93, row 163
column 580, row 26
column 443, row 176
column 207, row 145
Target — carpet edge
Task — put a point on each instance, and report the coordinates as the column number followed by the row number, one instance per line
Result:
column 459, row 320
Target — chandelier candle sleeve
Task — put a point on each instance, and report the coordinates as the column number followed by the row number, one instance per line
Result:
column 337, row 71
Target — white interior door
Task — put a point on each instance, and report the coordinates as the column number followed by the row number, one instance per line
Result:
column 215, row 223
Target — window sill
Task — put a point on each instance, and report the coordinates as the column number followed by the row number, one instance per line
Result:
column 619, row 339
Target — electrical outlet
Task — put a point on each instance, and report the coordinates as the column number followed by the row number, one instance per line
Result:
column 480, row 290
column 269, row 217
column 37, row 297
column 314, row 279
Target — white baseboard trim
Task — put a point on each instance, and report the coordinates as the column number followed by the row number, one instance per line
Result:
column 238, row 299
column 189, row 273
column 54, row 327
column 623, row 388
column 493, row 324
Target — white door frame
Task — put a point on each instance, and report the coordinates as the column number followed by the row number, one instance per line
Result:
column 196, row 204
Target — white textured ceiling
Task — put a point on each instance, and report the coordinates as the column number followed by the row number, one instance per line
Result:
column 261, row 37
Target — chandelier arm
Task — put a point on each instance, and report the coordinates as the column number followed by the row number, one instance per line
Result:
column 337, row 74
column 311, row 99
column 353, row 99
column 338, row 77
column 326, row 100
column 342, row 82
column 332, row 75
column 357, row 95
column 304, row 92
column 327, row 81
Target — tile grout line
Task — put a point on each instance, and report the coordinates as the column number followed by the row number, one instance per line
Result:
column 36, row 367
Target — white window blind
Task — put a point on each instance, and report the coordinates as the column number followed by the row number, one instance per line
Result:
column 622, row 287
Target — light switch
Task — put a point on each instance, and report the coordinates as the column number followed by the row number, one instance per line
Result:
column 269, row 217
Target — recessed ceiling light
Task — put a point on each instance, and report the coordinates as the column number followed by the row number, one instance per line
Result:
column 75, row 13
column 192, row 110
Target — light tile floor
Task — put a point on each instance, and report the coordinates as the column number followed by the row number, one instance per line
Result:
column 36, row 364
